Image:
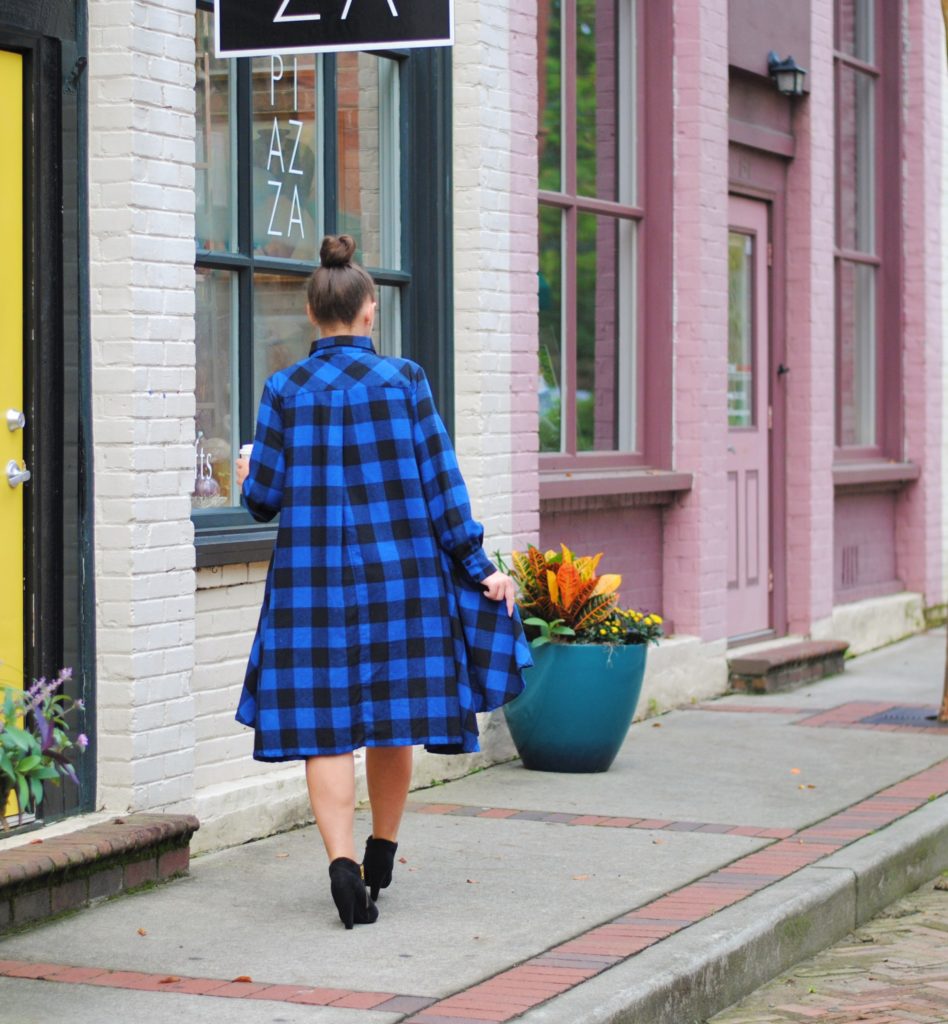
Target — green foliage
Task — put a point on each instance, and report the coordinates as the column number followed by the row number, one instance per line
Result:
column 35, row 745
column 548, row 631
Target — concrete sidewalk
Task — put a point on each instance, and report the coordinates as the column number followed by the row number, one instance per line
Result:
column 728, row 841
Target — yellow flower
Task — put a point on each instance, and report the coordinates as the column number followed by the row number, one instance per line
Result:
column 602, row 632
column 658, row 619
column 648, row 620
column 615, row 629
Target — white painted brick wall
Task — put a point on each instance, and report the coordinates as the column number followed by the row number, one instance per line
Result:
column 492, row 255
column 141, row 114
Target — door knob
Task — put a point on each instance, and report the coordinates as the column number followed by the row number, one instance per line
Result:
column 15, row 419
column 16, row 475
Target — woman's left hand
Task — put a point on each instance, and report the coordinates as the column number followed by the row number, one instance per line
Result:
column 243, row 471
column 500, row 587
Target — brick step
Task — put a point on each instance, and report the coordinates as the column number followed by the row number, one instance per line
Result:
column 786, row 666
column 45, row 877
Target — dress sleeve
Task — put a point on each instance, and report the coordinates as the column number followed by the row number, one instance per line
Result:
column 262, row 492
column 445, row 491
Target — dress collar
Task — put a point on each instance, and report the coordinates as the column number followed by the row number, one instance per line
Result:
column 353, row 340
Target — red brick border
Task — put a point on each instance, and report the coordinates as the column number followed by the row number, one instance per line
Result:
column 598, row 820
column 852, row 715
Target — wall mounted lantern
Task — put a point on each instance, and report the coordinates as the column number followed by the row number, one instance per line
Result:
column 788, row 76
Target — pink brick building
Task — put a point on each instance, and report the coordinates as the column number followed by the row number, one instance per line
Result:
column 772, row 466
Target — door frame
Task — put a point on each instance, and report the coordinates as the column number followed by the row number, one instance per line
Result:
column 760, row 176
column 54, row 138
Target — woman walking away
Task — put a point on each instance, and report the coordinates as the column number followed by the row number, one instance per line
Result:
column 383, row 624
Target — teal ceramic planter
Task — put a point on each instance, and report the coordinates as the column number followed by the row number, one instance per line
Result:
column 577, row 706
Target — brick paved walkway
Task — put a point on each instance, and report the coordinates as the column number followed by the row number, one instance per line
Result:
column 893, row 970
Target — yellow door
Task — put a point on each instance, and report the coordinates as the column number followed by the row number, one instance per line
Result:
column 11, row 360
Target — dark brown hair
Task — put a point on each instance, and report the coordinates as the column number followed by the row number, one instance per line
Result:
column 338, row 289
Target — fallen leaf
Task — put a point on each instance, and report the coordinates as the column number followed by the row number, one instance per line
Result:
column 141, row 931
column 580, row 878
column 170, row 980
column 656, row 725
column 282, row 856
column 401, row 860
column 473, row 881
column 794, row 771
column 942, row 884
column 243, row 979
column 35, row 842
column 658, row 842
column 810, row 786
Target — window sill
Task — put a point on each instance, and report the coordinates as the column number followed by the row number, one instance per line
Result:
column 232, row 545
column 873, row 475
column 575, row 490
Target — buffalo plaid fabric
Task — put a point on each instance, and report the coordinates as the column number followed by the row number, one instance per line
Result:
column 374, row 630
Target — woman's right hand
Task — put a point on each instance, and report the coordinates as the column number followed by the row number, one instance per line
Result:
column 243, row 471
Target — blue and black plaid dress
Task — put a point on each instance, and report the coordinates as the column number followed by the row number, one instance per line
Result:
column 374, row 630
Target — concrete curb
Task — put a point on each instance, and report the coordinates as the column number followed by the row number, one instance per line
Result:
column 691, row 976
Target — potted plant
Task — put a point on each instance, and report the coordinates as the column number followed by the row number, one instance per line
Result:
column 35, row 745
column 589, row 662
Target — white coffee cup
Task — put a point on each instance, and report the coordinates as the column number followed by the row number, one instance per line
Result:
column 246, row 450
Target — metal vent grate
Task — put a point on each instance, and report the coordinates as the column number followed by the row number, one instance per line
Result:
column 850, row 565
column 919, row 717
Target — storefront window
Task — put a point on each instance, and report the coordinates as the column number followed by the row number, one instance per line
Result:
column 272, row 179
column 864, row 338
column 589, row 226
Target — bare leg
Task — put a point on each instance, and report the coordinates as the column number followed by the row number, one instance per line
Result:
column 331, row 783
column 388, row 773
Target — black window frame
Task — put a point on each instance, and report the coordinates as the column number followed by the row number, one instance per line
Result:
column 230, row 536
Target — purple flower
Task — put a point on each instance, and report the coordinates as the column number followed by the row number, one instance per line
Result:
column 82, row 741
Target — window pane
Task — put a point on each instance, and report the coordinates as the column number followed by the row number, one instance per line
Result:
column 286, row 219
column 388, row 321
column 367, row 139
column 605, row 335
column 740, row 347
column 214, row 95
column 282, row 333
column 605, row 107
column 856, row 147
column 216, row 390
column 550, row 58
column 551, row 328
column 856, row 26
column 857, row 355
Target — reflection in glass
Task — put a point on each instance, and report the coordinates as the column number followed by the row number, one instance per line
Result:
column 550, row 58
column 857, row 155
column 551, row 329
column 857, row 353
column 388, row 321
column 214, row 181
column 286, row 220
column 856, row 28
column 740, row 342
column 597, row 99
column 605, row 364
column 282, row 333
column 216, row 443
column 367, row 144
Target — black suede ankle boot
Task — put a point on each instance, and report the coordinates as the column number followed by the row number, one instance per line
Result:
column 349, row 893
column 378, row 864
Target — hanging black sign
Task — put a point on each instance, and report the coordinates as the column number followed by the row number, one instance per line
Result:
column 259, row 28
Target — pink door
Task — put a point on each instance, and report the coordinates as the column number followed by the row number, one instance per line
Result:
column 749, row 421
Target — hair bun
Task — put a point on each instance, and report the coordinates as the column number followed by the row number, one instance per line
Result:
column 337, row 251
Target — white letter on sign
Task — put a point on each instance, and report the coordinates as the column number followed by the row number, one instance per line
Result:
column 345, row 10
column 281, row 14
